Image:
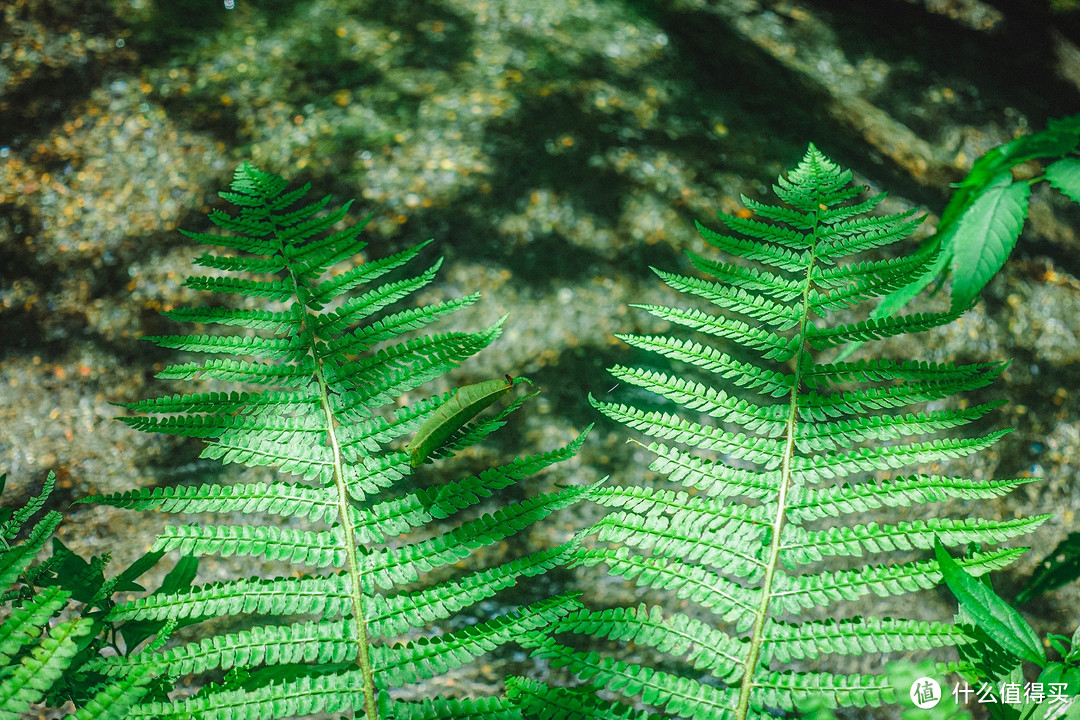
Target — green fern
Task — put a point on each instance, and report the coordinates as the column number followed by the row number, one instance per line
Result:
column 44, row 659
column 752, row 470
column 329, row 369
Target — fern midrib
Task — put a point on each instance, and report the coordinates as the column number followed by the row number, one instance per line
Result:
column 757, row 632
column 344, row 513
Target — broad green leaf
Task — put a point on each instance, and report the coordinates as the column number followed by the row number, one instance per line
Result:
column 1052, row 677
column 1060, row 138
column 181, row 576
column 1065, row 176
column 986, row 235
column 993, row 615
column 125, row 581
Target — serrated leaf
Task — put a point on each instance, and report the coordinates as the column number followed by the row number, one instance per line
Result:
column 993, row 615
column 1065, row 176
column 985, row 236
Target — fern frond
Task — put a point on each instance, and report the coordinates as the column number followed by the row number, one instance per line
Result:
column 19, row 516
column 653, row 501
column 741, row 374
column 688, row 541
column 792, row 594
column 440, row 708
column 784, row 236
column 358, row 308
column 272, row 348
column 419, row 507
column 760, row 308
column 876, row 329
column 777, row 287
column 273, row 290
column 729, row 600
column 712, row 477
column 365, row 337
column 846, row 286
column 15, row 560
column 427, row 657
column 296, row 695
column 389, row 567
column 330, row 373
column 680, row 696
column 671, row 427
column 769, row 420
column 776, row 346
column 858, row 636
column 833, row 435
column 240, row 371
column 950, row 378
column 325, row 594
column 898, row 492
column 24, row 623
column 304, row 547
column 847, row 237
column 802, row 547
column 822, row 466
column 225, row 403
column 835, row 214
column 781, row 258
column 705, row 648
column 538, row 700
column 317, row 256
column 320, row 642
column 750, row 514
column 36, row 674
column 277, row 322
column 395, row 614
column 821, row 406
column 783, row 689
column 115, row 700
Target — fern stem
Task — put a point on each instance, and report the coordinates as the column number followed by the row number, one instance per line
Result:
column 757, row 635
column 359, row 617
column 349, row 534
column 344, row 511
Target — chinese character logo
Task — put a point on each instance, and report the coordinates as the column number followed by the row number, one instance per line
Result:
column 925, row 693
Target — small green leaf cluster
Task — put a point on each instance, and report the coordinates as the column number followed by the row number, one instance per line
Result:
column 1004, row 641
column 983, row 220
column 55, row 622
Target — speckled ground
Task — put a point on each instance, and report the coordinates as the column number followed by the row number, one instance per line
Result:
column 554, row 150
